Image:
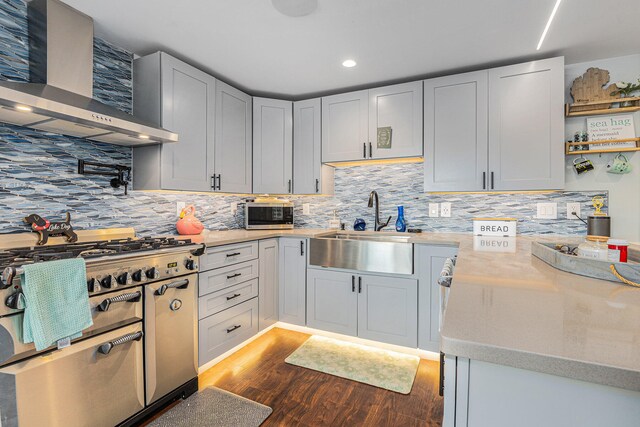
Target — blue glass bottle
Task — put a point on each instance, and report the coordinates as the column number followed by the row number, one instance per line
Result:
column 401, row 225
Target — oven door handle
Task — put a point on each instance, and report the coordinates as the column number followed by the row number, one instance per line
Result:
column 130, row 297
column 108, row 346
column 180, row 284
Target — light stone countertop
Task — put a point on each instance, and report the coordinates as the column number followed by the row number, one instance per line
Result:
column 513, row 309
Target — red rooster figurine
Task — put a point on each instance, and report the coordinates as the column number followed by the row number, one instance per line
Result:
column 188, row 223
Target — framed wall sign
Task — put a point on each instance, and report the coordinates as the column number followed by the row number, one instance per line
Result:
column 604, row 128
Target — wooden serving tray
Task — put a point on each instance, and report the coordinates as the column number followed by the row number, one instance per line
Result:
column 588, row 267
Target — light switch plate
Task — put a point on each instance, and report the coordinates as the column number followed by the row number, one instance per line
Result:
column 573, row 207
column 547, row 211
column 433, row 210
column 179, row 207
column 306, row 209
column 445, row 210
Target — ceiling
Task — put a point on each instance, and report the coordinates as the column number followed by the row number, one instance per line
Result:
column 251, row 45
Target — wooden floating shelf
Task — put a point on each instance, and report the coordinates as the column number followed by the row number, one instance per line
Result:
column 568, row 108
column 568, row 146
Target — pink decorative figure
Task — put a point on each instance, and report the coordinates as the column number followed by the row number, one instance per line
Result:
column 188, row 223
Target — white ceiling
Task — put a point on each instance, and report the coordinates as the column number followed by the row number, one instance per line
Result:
column 251, row 45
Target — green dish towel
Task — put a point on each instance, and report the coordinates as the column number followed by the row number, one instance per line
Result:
column 57, row 301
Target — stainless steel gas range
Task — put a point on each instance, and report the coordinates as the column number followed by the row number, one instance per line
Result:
column 140, row 353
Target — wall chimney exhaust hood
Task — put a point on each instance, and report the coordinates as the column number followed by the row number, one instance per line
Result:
column 59, row 97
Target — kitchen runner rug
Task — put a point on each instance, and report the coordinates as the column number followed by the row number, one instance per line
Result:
column 380, row 368
column 213, row 407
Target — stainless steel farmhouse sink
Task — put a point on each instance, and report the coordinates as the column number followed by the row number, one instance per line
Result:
column 364, row 252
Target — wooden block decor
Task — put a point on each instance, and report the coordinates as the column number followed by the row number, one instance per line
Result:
column 591, row 87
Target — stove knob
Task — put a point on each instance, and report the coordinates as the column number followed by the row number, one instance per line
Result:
column 190, row 264
column 153, row 273
column 92, row 285
column 108, row 281
column 139, row 276
column 125, row 279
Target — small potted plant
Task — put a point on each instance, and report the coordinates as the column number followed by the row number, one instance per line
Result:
column 626, row 90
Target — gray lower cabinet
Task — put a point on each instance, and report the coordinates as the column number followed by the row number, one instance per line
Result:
column 332, row 301
column 223, row 331
column 455, row 132
column 272, row 146
column 268, row 283
column 380, row 308
column 526, row 126
column 180, row 98
column 292, row 280
column 310, row 176
column 233, row 148
column 429, row 260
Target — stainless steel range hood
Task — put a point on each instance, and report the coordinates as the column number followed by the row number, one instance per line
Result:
column 59, row 97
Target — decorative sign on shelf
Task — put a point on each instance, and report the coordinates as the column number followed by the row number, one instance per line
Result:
column 604, row 128
column 46, row 228
column 384, row 137
column 590, row 87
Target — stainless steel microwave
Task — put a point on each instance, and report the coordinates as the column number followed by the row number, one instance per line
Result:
column 268, row 216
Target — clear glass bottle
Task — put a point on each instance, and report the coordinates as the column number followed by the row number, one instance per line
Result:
column 401, row 225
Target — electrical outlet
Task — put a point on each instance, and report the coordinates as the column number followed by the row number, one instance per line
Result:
column 306, row 209
column 234, row 208
column 547, row 211
column 571, row 208
column 445, row 210
column 433, row 210
column 179, row 207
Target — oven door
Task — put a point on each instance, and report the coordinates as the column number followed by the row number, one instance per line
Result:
column 82, row 385
column 108, row 311
column 171, row 320
column 265, row 216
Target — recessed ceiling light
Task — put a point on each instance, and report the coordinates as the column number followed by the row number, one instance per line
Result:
column 143, row 136
column 295, row 8
column 349, row 63
column 544, row 33
column 23, row 108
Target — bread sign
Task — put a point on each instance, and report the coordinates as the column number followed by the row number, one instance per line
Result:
column 505, row 227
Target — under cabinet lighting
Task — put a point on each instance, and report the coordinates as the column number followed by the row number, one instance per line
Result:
column 143, row 136
column 349, row 63
column 546, row 28
column 24, row 108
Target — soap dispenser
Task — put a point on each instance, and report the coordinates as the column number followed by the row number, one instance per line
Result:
column 334, row 223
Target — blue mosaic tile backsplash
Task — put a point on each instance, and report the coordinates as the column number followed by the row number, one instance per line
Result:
column 38, row 172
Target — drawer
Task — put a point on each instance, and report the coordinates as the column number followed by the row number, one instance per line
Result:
column 228, row 255
column 221, row 278
column 221, row 300
column 225, row 330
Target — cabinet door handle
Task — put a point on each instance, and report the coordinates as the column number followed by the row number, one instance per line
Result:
column 317, row 185
column 492, row 180
column 353, row 283
column 289, row 186
column 441, row 385
column 301, row 248
column 364, row 150
column 484, row 180
column 359, row 284
column 213, row 182
column 370, row 150
column 219, row 182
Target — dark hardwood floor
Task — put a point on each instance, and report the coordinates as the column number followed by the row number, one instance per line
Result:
column 302, row 397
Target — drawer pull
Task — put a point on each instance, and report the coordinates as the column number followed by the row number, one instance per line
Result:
column 233, row 297
column 108, row 346
column 131, row 297
column 233, row 254
column 233, row 328
column 234, row 275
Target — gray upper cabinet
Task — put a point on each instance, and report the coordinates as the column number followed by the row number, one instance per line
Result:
column 455, row 132
column 272, row 146
column 345, row 122
column 233, row 146
column 310, row 176
column 498, row 129
column 400, row 108
column 180, row 98
column 526, row 126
